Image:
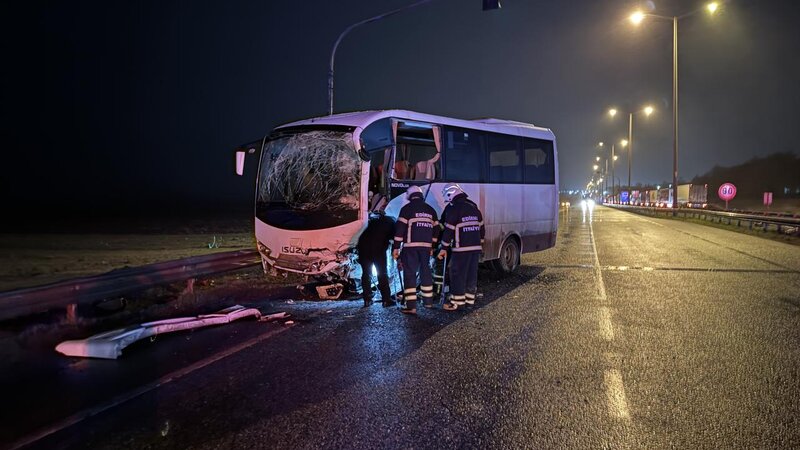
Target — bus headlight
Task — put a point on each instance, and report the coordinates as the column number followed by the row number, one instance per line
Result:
column 263, row 249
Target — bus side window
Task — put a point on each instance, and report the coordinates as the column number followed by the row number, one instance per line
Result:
column 539, row 167
column 504, row 160
column 464, row 155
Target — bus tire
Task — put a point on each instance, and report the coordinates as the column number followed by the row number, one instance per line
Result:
column 509, row 256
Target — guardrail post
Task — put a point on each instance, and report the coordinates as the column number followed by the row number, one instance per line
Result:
column 189, row 286
column 72, row 313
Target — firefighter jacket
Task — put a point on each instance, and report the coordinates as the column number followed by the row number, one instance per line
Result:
column 417, row 225
column 463, row 226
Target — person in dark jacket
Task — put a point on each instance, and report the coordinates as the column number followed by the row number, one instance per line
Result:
column 417, row 231
column 372, row 246
column 441, row 275
column 463, row 234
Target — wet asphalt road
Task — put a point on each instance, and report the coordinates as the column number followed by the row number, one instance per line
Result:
column 633, row 332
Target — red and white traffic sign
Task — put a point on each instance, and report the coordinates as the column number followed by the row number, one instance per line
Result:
column 767, row 198
column 727, row 191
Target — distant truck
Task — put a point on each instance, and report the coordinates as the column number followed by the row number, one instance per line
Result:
column 650, row 197
column 664, row 198
column 693, row 195
column 636, row 198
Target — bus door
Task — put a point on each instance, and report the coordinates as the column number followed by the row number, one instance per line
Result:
column 416, row 159
column 377, row 141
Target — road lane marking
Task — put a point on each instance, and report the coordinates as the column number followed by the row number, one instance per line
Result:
column 698, row 269
column 598, row 274
column 668, row 269
column 615, row 392
column 606, row 328
column 612, row 378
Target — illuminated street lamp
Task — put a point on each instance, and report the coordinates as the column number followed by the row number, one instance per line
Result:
column 636, row 18
column 613, row 157
column 647, row 110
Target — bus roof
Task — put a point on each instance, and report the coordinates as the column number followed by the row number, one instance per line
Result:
column 363, row 118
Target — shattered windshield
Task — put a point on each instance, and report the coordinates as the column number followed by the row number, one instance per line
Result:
column 309, row 180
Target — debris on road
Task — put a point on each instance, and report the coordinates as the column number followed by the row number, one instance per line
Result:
column 276, row 316
column 109, row 345
column 330, row 292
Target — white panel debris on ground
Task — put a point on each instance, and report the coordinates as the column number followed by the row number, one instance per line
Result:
column 109, row 345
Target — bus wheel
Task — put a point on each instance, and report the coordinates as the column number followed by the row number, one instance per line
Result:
column 509, row 256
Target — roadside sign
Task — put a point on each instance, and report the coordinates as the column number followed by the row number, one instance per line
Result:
column 623, row 197
column 727, row 191
column 767, row 198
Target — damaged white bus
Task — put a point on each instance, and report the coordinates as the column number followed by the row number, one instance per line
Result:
column 319, row 180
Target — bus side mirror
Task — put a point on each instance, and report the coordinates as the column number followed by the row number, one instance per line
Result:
column 489, row 5
column 240, row 155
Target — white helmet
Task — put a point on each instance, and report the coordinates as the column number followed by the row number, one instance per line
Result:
column 450, row 191
column 413, row 190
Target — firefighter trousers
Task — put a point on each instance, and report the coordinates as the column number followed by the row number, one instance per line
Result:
column 463, row 277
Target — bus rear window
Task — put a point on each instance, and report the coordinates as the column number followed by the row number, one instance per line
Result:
column 539, row 165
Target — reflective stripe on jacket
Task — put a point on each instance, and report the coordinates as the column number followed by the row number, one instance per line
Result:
column 417, row 225
column 463, row 226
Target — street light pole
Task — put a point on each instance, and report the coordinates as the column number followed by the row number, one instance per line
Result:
column 629, row 142
column 630, row 150
column 487, row 5
column 637, row 18
column 674, row 113
column 612, row 171
column 349, row 29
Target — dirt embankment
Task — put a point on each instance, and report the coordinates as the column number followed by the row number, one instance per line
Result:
column 81, row 249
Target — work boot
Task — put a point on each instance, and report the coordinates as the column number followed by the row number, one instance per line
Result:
column 387, row 302
column 367, row 301
column 409, row 310
column 449, row 306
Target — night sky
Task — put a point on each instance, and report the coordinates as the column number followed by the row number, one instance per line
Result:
column 135, row 107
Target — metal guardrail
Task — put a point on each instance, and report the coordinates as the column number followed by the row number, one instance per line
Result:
column 22, row 302
column 782, row 225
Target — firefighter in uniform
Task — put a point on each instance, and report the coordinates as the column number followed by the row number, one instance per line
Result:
column 441, row 276
column 463, row 234
column 417, row 230
column 372, row 247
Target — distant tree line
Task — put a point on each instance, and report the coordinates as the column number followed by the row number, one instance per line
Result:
column 778, row 173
